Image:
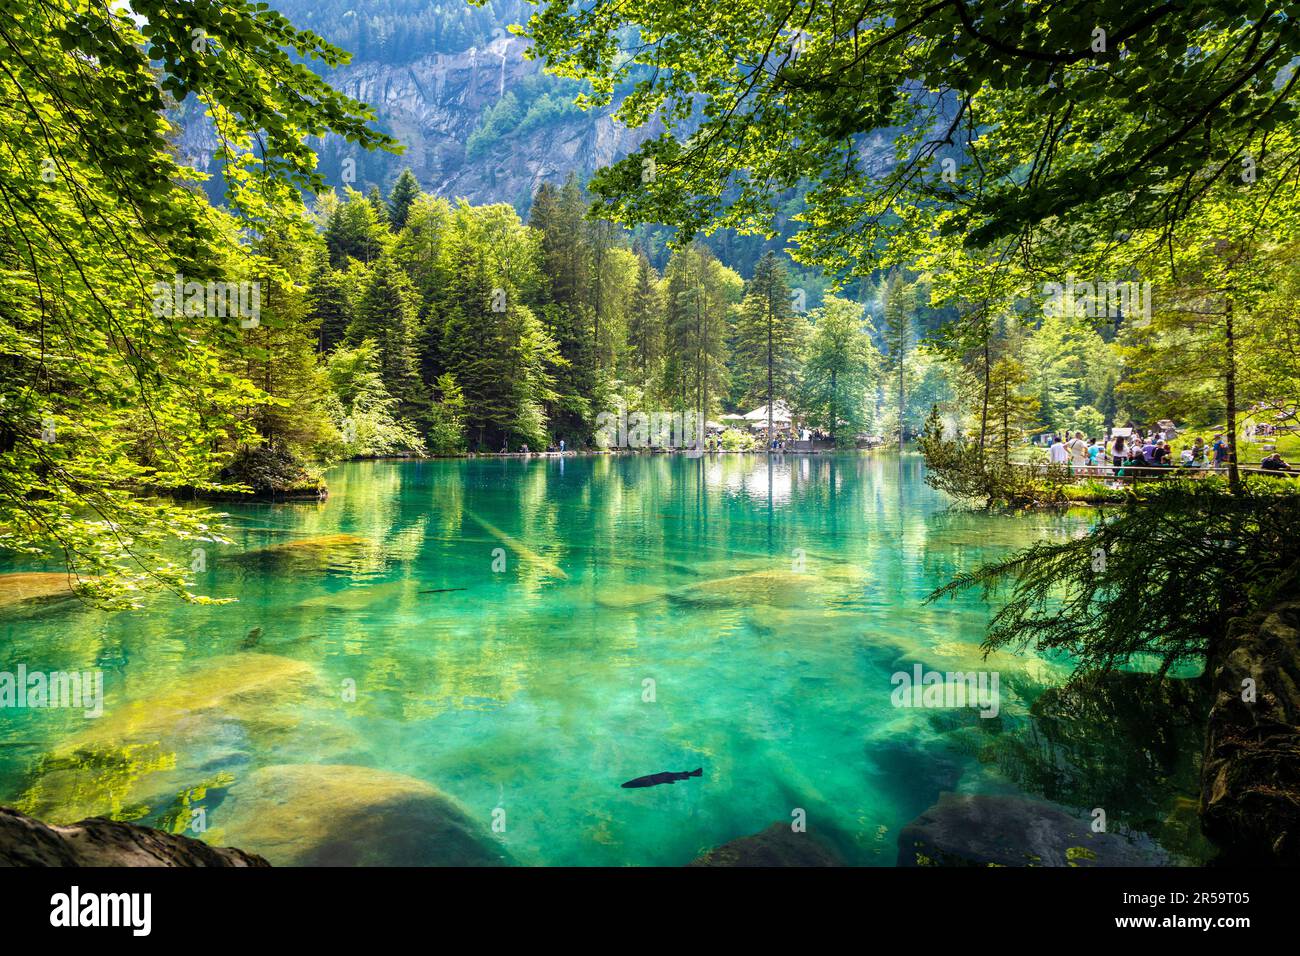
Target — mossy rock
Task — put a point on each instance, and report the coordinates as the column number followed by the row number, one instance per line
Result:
column 338, row 815
column 778, row 845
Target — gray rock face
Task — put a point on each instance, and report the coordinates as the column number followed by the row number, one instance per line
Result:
column 1250, row 777
column 97, row 842
column 433, row 105
column 978, row 830
column 778, row 845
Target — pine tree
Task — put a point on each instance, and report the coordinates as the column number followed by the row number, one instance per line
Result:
column 328, row 304
column 561, row 304
column 353, row 231
column 699, row 294
column 404, row 193
column 645, row 324
column 897, row 301
column 767, row 340
column 386, row 315
column 377, row 203
column 1011, row 410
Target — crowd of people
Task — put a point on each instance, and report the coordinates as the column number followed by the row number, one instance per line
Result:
column 1129, row 448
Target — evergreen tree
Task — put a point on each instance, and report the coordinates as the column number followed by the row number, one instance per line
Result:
column 386, row 315
column 699, row 294
column 377, row 203
column 561, row 303
column 405, row 191
column 841, row 363
column 1011, row 409
column 645, row 324
column 768, row 339
column 329, row 305
column 897, row 302
column 353, row 231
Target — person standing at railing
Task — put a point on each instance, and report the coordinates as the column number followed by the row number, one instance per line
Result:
column 1057, row 455
column 1220, row 452
column 1117, row 452
column 1078, row 449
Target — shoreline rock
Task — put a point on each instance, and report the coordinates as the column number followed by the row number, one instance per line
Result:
column 25, row 841
column 1250, row 774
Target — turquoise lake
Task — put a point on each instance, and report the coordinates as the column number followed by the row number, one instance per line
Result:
column 523, row 636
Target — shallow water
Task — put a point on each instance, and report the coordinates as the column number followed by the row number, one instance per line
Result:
column 526, row 635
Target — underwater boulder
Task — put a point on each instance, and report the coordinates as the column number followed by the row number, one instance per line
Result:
column 1005, row 830
column 629, row 595
column 777, row 588
column 778, row 845
column 340, row 815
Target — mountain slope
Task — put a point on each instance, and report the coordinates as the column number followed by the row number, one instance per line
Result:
column 478, row 120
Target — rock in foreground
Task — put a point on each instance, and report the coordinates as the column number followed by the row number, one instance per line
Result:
column 1250, row 778
column 97, row 842
column 977, row 830
column 778, row 845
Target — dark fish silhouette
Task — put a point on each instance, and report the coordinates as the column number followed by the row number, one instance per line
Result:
column 251, row 640
column 667, row 776
column 441, row 590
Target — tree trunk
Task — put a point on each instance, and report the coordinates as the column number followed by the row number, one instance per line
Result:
column 1230, row 400
column 833, row 406
column 902, row 404
column 770, row 312
column 984, row 405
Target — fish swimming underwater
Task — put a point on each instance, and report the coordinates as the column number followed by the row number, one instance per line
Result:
column 667, row 776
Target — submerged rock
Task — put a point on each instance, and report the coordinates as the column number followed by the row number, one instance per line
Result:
column 776, row 588
column 28, row 842
column 135, row 758
column 778, row 845
column 19, row 587
column 306, row 547
column 980, row 830
column 338, row 815
column 228, row 686
column 630, row 595
column 1250, row 778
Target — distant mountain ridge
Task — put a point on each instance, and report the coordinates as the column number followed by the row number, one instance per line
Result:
column 479, row 121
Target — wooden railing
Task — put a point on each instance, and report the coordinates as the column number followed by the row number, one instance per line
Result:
column 1135, row 473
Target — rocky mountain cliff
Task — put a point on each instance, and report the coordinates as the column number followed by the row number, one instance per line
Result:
column 479, row 121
